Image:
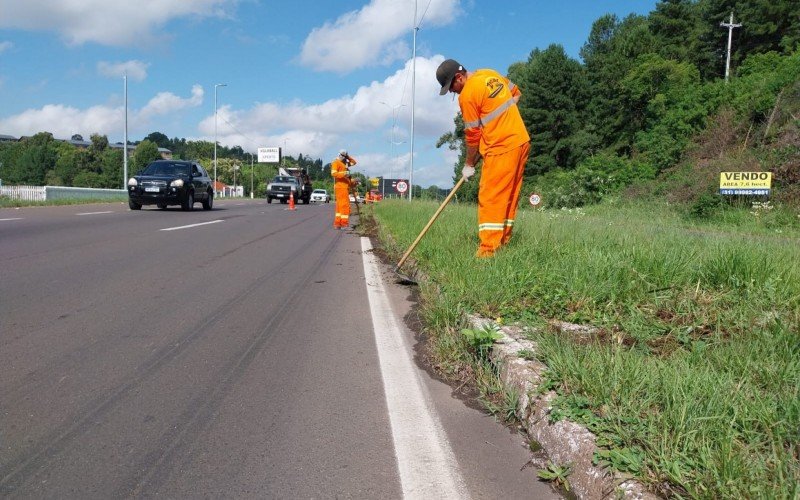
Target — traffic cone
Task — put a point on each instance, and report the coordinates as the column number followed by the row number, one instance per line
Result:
column 291, row 200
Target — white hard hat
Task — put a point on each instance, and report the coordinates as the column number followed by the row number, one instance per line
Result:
column 342, row 152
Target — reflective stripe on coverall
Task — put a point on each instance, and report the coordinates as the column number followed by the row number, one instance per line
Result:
column 341, row 191
column 492, row 123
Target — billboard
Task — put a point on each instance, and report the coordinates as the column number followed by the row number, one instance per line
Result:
column 745, row 183
column 269, row 155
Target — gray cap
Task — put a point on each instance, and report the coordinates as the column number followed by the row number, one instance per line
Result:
column 446, row 72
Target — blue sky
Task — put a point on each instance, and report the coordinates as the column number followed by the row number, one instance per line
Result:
column 310, row 76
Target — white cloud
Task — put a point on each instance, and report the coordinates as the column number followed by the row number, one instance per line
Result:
column 108, row 22
column 63, row 121
column 6, row 45
column 136, row 70
column 372, row 35
column 319, row 129
column 166, row 102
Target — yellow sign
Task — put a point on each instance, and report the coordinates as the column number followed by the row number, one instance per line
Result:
column 374, row 181
column 744, row 183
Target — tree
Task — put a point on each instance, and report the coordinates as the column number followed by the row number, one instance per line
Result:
column 99, row 143
column 77, row 137
column 38, row 156
column 159, row 140
column 111, row 169
column 199, row 149
column 144, row 153
column 654, row 78
column 609, row 53
column 678, row 27
column 554, row 92
column 66, row 166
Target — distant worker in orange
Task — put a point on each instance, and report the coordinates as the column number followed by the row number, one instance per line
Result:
column 493, row 129
column 340, row 170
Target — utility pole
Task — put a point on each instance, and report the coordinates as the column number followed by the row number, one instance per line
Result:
column 730, row 27
column 125, row 138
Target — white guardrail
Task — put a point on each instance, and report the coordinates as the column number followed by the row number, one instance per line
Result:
column 47, row 193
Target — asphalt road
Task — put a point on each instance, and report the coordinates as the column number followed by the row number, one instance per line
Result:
column 225, row 353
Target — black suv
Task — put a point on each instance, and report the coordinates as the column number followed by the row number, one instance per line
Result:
column 171, row 182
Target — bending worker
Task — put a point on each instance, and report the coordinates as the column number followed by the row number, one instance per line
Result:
column 340, row 170
column 493, row 129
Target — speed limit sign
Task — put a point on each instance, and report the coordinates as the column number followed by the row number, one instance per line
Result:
column 401, row 187
column 535, row 199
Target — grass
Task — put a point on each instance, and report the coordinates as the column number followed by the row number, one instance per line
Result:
column 693, row 382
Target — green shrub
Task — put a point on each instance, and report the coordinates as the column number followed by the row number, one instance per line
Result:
column 595, row 178
column 706, row 205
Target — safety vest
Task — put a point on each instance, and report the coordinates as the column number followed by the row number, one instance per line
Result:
column 491, row 117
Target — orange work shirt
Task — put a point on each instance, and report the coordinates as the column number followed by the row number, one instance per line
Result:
column 339, row 171
column 491, row 117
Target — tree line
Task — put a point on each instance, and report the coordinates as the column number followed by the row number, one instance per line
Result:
column 42, row 160
column 645, row 87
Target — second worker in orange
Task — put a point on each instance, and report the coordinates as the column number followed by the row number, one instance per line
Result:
column 340, row 171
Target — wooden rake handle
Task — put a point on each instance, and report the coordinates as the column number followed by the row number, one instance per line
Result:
column 430, row 223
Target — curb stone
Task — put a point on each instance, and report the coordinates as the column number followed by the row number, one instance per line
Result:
column 563, row 441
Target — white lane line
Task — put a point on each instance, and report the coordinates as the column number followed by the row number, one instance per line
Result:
column 96, row 213
column 12, row 218
column 425, row 462
column 191, row 225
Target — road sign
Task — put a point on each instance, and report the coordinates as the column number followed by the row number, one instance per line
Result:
column 535, row 199
column 402, row 187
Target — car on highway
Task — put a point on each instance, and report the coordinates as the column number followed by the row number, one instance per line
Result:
column 320, row 195
column 171, row 182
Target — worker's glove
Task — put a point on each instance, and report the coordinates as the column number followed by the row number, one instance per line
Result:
column 467, row 172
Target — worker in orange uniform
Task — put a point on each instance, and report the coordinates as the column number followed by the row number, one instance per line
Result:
column 493, row 129
column 340, row 170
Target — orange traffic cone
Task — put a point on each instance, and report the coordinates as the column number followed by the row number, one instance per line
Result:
column 291, row 200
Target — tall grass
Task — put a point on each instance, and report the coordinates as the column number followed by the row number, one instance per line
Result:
column 693, row 382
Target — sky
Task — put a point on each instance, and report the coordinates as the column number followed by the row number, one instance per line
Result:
column 311, row 77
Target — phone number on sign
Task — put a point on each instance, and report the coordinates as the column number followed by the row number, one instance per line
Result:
column 745, row 191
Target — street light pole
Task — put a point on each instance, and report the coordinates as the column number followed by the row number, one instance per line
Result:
column 215, row 132
column 413, row 91
column 251, row 175
column 394, row 127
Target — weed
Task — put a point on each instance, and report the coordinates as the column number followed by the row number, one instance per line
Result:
column 556, row 474
column 527, row 354
column 481, row 339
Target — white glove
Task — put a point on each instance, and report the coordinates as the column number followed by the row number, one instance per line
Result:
column 467, row 172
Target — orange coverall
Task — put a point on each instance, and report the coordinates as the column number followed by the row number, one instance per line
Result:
column 492, row 123
column 341, row 190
